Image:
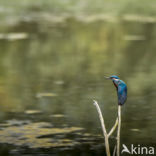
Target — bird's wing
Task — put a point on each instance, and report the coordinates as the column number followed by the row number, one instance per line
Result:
column 122, row 94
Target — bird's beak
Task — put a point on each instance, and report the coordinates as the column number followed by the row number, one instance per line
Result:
column 107, row 77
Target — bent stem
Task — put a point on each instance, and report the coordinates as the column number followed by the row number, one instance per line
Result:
column 118, row 132
column 103, row 128
column 113, row 128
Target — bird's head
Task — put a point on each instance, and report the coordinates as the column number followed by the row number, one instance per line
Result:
column 115, row 80
column 113, row 77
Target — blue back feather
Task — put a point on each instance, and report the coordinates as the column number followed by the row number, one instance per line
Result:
column 121, row 90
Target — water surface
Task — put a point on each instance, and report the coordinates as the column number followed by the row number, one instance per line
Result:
column 50, row 72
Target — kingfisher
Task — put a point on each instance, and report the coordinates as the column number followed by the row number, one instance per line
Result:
column 121, row 89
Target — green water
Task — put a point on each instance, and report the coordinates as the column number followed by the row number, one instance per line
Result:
column 51, row 69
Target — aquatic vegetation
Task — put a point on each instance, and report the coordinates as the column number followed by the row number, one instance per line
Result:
column 33, row 111
column 41, row 135
column 39, row 95
column 13, row 36
column 57, row 115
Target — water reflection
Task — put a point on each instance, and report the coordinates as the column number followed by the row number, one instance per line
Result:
column 60, row 68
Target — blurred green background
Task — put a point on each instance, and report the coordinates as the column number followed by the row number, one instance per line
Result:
column 53, row 58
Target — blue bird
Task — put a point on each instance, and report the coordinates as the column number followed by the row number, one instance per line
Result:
column 121, row 89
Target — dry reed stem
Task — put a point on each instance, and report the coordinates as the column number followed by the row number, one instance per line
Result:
column 118, row 132
column 103, row 128
column 113, row 128
column 107, row 135
column 114, row 151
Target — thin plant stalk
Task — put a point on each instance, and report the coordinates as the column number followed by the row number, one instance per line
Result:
column 103, row 128
column 119, row 128
column 113, row 128
column 114, row 151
